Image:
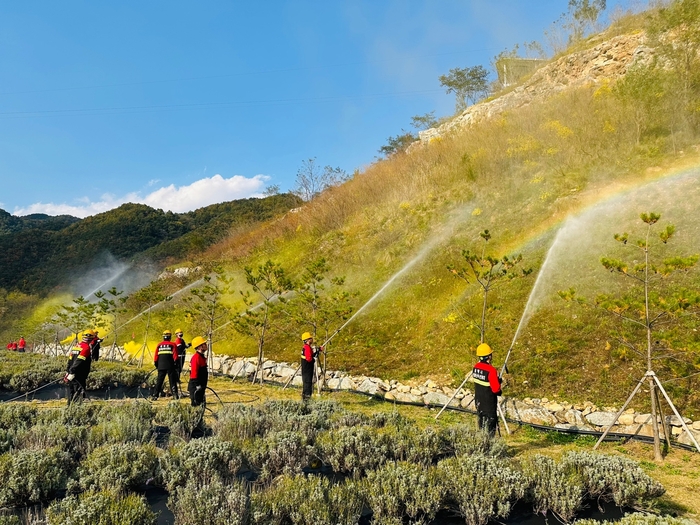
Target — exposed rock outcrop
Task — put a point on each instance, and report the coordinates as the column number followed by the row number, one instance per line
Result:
column 604, row 62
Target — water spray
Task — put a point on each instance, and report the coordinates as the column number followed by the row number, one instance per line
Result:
column 532, row 299
column 155, row 305
column 259, row 305
column 119, row 274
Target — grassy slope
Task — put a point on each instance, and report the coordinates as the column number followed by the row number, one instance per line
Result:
column 518, row 175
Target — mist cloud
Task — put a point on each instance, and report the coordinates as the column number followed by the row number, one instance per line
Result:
column 203, row 192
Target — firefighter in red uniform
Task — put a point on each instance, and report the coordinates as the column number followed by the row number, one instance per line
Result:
column 22, row 343
column 78, row 368
column 164, row 360
column 12, row 346
column 487, row 388
column 308, row 360
column 199, row 374
column 181, row 351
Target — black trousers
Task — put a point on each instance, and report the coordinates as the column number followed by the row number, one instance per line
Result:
column 180, row 363
column 307, row 378
column 77, row 388
column 197, row 397
column 172, row 377
column 488, row 422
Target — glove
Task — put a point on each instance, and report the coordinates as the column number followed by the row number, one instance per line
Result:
column 188, row 345
column 199, row 387
column 70, row 377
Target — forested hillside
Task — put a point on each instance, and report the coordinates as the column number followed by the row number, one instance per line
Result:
column 39, row 221
column 39, row 255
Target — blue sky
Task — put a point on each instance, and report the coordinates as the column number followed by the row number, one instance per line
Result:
column 183, row 104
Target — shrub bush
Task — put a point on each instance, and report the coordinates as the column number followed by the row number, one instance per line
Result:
column 354, row 450
column 346, row 418
column 118, row 466
column 613, row 478
column 640, row 518
column 303, row 500
column 382, row 419
column 105, row 374
column 50, row 434
column 182, row 419
column 203, row 462
column 79, row 414
column 282, row 452
column 32, row 476
column 397, row 490
column 481, row 488
column 14, row 417
column 553, row 487
column 415, row 445
column 213, row 503
column 124, row 423
column 40, row 373
column 240, row 422
column 107, row 507
column 465, row 440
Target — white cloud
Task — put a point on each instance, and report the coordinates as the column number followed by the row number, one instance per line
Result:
column 203, row 192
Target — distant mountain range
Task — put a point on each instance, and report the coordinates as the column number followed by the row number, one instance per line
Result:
column 39, row 250
column 38, row 221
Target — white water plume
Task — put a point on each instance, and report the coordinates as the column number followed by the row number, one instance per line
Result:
column 573, row 259
column 447, row 232
column 153, row 307
column 106, row 272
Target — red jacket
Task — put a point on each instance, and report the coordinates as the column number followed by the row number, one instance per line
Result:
column 198, row 369
column 22, row 343
column 307, row 353
column 487, row 388
column 81, row 359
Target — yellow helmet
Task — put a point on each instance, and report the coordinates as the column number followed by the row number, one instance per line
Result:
column 305, row 336
column 198, row 341
column 88, row 334
column 178, row 331
column 483, row 350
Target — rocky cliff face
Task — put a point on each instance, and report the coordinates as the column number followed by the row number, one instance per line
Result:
column 606, row 61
